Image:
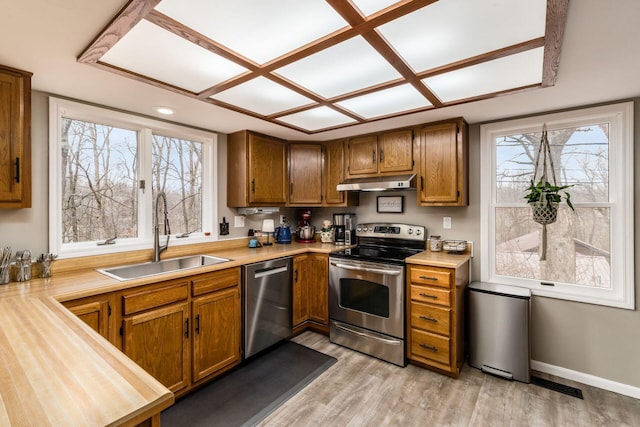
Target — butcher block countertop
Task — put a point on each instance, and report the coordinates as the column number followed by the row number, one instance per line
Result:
column 440, row 259
column 57, row 371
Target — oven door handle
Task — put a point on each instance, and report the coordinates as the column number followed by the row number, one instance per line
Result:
column 368, row 270
column 351, row 331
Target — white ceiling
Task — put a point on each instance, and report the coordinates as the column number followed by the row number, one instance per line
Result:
column 599, row 62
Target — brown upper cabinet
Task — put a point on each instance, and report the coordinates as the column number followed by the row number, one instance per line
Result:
column 384, row 154
column 315, row 170
column 334, row 167
column 305, row 174
column 256, row 170
column 15, row 138
column 443, row 176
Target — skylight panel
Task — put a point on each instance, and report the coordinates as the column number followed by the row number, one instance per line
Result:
column 153, row 52
column 506, row 73
column 451, row 30
column 258, row 30
column 340, row 69
column 316, row 119
column 262, row 96
column 386, row 102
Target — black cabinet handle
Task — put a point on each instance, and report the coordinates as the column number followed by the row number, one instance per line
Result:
column 18, row 170
column 429, row 347
column 430, row 319
column 373, row 156
column 186, row 328
column 253, row 185
column 428, row 296
column 198, row 324
column 381, row 155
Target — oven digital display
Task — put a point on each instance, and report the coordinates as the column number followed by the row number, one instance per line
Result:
column 386, row 229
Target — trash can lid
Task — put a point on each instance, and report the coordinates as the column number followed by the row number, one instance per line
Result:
column 499, row 289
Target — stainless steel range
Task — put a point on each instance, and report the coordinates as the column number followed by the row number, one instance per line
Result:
column 367, row 289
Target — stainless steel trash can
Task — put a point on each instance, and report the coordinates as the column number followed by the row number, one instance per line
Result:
column 499, row 330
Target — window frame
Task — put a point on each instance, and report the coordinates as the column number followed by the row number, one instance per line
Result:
column 621, row 202
column 145, row 127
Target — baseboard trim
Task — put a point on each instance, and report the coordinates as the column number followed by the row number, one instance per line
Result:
column 587, row 379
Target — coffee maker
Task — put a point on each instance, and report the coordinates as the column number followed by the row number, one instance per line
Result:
column 339, row 229
column 350, row 229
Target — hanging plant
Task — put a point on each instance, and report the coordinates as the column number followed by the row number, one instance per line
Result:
column 544, row 196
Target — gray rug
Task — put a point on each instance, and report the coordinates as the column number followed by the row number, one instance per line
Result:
column 250, row 393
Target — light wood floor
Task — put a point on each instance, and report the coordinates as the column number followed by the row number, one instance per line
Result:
column 363, row 391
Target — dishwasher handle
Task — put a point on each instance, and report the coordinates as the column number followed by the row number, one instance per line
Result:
column 269, row 271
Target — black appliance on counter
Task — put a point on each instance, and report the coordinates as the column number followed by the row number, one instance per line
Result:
column 367, row 289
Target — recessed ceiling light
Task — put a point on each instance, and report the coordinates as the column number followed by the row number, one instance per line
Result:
column 164, row 110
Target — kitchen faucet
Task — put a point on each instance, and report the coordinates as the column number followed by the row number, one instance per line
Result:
column 157, row 249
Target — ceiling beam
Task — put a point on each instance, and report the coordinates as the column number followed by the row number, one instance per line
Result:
column 132, row 13
column 554, row 31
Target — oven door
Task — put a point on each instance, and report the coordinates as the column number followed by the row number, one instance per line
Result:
column 367, row 294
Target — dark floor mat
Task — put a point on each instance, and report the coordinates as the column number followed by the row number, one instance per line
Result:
column 561, row 388
column 249, row 394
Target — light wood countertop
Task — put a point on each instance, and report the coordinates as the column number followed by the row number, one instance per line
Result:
column 439, row 259
column 55, row 370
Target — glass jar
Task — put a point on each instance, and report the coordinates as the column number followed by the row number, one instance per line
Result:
column 435, row 244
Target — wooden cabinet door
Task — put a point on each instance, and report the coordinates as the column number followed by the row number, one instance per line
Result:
column 158, row 341
column 300, row 290
column 15, row 138
column 317, row 275
column 333, row 172
column 216, row 332
column 95, row 312
column 363, row 156
column 439, row 165
column 267, row 171
column 396, row 151
column 305, row 174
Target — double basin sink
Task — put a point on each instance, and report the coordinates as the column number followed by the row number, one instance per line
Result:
column 136, row 271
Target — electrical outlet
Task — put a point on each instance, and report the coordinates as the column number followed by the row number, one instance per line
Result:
column 282, row 217
column 238, row 221
column 446, row 222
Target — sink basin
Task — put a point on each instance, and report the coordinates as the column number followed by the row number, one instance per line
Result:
column 135, row 271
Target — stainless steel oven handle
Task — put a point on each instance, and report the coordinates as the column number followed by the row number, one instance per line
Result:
column 351, row 331
column 368, row 270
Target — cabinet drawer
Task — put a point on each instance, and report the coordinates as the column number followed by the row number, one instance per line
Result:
column 430, row 318
column 430, row 346
column 431, row 295
column 215, row 281
column 157, row 297
column 425, row 276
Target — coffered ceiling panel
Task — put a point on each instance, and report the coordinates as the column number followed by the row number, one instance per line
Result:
column 317, row 65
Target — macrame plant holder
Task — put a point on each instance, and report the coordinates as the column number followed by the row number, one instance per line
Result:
column 544, row 211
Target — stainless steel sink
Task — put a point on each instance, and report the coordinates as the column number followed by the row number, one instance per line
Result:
column 135, row 271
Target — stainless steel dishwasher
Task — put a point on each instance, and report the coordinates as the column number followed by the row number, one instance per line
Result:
column 267, row 293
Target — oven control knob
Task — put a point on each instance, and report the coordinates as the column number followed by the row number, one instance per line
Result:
column 410, row 231
column 418, row 232
column 359, row 229
column 366, row 229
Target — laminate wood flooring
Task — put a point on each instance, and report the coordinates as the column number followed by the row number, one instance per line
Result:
column 360, row 390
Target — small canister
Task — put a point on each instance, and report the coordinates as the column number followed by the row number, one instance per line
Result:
column 435, row 244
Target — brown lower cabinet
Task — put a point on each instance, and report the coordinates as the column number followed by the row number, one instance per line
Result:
column 435, row 317
column 183, row 332
column 311, row 292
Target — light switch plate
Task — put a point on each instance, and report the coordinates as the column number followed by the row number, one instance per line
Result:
column 238, row 221
column 446, row 222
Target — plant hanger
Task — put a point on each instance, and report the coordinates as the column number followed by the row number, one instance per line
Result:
column 543, row 195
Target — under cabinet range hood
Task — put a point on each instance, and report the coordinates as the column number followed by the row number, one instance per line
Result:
column 379, row 183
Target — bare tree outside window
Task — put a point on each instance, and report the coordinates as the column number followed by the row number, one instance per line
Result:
column 177, row 170
column 580, row 242
column 99, row 193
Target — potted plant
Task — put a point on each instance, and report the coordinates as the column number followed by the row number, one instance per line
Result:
column 544, row 199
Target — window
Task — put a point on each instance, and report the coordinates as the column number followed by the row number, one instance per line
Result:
column 590, row 250
column 106, row 169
